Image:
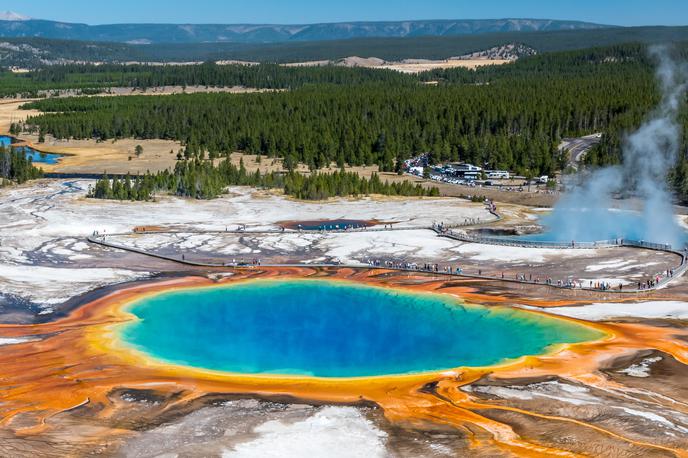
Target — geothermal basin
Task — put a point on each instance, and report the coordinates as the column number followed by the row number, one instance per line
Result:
column 325, row 328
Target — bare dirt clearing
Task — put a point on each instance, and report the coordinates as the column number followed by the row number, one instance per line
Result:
column 405, row 66
column 10, row 112
column 419, row 66
column 117, row 157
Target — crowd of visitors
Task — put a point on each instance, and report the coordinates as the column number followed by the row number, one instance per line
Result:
column 570, row 283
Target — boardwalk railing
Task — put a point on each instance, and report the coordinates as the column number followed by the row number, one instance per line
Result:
column 515, row 242
column 658, row 281
column 661, row 280
column 648, row 245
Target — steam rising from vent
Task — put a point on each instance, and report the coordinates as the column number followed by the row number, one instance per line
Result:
column 584, row 213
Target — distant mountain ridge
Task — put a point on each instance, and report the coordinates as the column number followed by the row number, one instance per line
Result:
column 33, row 52
column 13, row 25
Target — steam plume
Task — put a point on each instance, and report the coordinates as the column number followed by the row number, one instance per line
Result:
column 584, row 212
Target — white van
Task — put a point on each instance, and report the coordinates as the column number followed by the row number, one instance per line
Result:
column 498, row 175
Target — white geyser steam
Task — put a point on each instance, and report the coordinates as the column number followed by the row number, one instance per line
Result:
column 585, row 212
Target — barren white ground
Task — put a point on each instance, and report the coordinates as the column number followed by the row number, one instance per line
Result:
column 46, row 260
column 44, row 256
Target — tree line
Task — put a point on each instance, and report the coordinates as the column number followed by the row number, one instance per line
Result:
column 515, row 123
column 201, row 179
column 502, row 117
column 16, row 167
column 92, row 79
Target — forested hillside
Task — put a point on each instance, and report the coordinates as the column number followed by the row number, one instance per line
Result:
column 416, row 47
column 508, row 117
column 98, row 78
column 33, row 52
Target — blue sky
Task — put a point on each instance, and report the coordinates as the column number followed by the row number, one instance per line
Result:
column 620, row 12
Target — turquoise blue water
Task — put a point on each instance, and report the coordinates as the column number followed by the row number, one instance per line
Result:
column 330, row 225
column 334, row 329
column 35, row 156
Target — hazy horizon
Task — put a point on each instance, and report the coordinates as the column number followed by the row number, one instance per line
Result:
column 614, row 12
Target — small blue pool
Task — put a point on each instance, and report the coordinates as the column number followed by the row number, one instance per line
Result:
column 330, row 225
column 30, row 153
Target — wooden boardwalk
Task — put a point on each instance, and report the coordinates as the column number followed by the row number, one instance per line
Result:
column 678, row 271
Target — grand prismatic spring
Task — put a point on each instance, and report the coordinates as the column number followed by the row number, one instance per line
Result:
column 334, row 329
column 409, row 344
